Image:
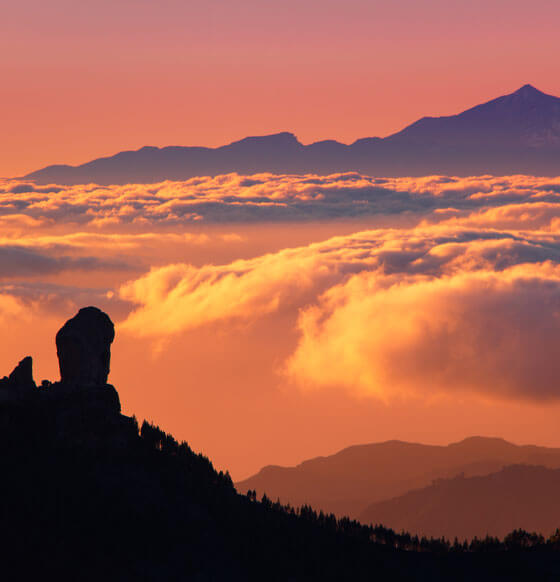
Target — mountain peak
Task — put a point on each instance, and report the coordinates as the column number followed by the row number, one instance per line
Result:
column 482, row 441
column 528, row 91
column 282, row 138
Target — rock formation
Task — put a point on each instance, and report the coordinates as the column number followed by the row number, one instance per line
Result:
column 83, row 346
column 82, row 406
column 19, row 383
column 22, row 376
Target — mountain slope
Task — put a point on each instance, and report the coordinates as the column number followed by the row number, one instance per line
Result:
column 516, row 133
column 345, row 483
column 526, row 118
column 518, row 496
column 85, row 495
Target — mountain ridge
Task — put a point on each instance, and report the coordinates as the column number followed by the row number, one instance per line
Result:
column 517, row 496
column 512, row 134
column 351, row 479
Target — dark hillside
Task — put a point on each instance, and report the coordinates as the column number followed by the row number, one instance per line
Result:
column 85, row 495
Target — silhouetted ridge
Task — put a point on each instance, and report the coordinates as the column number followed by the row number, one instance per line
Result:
column 87, row 495
column 352, row 479
column 516, row 497
column 517, row 133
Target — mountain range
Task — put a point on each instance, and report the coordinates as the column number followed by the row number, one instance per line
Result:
column 517, row 133
column 350, row 481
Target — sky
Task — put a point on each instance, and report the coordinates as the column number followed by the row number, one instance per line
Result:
column 86, row 79
column 269, row 319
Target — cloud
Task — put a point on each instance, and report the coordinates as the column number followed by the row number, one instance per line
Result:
column 122, row 241
column 181, row 297
column 268, row 197
column 18, row 261
column 20, row 299
column 387, row 313
column 11, row 307
column 483, row 332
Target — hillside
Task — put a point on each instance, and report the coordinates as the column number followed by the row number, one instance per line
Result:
column 517, row 133
column 88, row 495
column 518, row 496
column 347, row 482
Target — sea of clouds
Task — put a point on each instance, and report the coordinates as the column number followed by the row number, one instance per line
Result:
column 263, row 197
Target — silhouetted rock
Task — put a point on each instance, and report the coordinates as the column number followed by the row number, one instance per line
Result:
column 83, row 347
column 82, row 406
column 19, row 384
column 22, row 376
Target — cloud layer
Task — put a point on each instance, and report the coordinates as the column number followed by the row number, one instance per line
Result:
column 263, row 197
column 461, row 297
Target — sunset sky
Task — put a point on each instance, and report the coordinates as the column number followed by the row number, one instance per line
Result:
column 91, row 78
column 273, row 318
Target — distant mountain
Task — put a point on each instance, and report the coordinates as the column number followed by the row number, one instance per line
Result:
column 518, row 496
column 513, row 134
column 347, row 482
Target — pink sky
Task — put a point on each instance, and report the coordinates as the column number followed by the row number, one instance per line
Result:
column 253, row 339
column 85, row 79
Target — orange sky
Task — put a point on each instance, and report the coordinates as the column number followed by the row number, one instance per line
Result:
column 434, row 312
column 85, row 79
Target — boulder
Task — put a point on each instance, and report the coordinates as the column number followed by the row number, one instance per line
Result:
column 83, row 346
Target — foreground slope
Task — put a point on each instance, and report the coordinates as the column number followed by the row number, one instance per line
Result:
column 86, row 495
column 513, row 134
column 347, row 482
column 518, row 496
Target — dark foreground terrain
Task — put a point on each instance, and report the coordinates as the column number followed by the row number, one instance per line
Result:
column 86, row 494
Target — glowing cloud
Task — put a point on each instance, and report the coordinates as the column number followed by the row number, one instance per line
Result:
column 492, row 334
column 266, row 197
column 388, row 313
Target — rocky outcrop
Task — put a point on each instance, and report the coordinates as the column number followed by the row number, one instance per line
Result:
column 82, row 407
column 19, row 383
column 84, row 353
column 83, row 346
column 22, row 376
